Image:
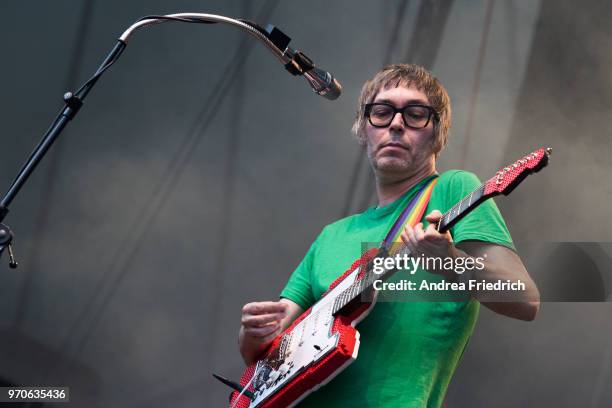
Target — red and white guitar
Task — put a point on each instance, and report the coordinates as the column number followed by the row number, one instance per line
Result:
column 323, row 340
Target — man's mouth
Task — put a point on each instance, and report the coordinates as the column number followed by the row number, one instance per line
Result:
column 393, row 145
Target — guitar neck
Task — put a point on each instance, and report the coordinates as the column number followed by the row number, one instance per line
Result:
column 462, row 208
column 448, row 219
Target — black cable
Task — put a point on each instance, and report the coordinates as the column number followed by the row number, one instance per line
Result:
column 102, row 69
column 171, row 18
column 98, row 74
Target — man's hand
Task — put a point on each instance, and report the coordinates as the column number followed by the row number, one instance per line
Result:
column 430, row 243
column 261, row 322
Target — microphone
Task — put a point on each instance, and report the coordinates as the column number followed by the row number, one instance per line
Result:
column 297, row 63
column 323, row 83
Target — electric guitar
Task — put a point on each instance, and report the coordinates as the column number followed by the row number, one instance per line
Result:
column 323, row 340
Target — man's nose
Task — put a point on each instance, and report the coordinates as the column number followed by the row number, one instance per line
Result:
column 398, row 122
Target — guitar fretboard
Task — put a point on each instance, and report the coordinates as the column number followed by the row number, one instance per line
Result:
column 448, row 219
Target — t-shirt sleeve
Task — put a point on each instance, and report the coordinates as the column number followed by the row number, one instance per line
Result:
column 299, row 287
column 485, row 222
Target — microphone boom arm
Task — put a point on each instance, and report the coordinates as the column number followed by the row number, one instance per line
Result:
column 296, row 62
column 275, row 40
column 249, row 27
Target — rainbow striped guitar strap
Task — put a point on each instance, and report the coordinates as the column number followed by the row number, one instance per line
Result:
column 411, row 215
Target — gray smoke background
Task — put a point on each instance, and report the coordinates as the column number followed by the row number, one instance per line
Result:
column 167, row 205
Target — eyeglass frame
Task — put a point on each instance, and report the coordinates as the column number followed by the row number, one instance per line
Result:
column 432, row 112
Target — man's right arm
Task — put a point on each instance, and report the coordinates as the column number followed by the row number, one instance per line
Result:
column 261, row 322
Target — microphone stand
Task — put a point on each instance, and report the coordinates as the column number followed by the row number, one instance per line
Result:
column 275, row 40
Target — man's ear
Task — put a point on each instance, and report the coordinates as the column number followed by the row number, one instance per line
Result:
column 433, row 146
column 361, row 139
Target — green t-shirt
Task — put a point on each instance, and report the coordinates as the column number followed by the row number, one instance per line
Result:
column 409, row 350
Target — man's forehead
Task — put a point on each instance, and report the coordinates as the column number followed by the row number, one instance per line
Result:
column 400, row 93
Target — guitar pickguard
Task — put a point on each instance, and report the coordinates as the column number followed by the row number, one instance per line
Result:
column 301, row 346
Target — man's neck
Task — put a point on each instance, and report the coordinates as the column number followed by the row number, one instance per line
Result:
column 390, row 190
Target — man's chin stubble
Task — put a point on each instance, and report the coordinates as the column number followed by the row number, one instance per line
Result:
column 392, row 167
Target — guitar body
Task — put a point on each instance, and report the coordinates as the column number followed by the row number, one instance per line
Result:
column 307, row 355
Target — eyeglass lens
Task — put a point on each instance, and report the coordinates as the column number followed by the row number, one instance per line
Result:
column 414, row 116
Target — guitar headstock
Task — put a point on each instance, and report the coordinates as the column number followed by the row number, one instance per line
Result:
column 507, row 178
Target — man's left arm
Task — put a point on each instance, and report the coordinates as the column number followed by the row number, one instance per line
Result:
column 499, row 264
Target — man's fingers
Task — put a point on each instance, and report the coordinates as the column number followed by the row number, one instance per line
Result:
column 433, row 216
column 419, row 234
column 431, row 233
column 411, row 234
column 258, row 308
column 261, row 320
column 262, row 331
column 434, row 236
column 271, row 336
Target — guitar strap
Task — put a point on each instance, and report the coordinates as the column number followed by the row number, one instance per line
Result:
column 411, row 215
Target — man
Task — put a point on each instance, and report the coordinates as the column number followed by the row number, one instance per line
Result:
column 409, row 350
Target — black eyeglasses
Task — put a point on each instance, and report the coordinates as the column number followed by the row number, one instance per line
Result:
column 414, row 116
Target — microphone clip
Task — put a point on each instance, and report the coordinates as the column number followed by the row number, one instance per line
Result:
column 297, row 63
